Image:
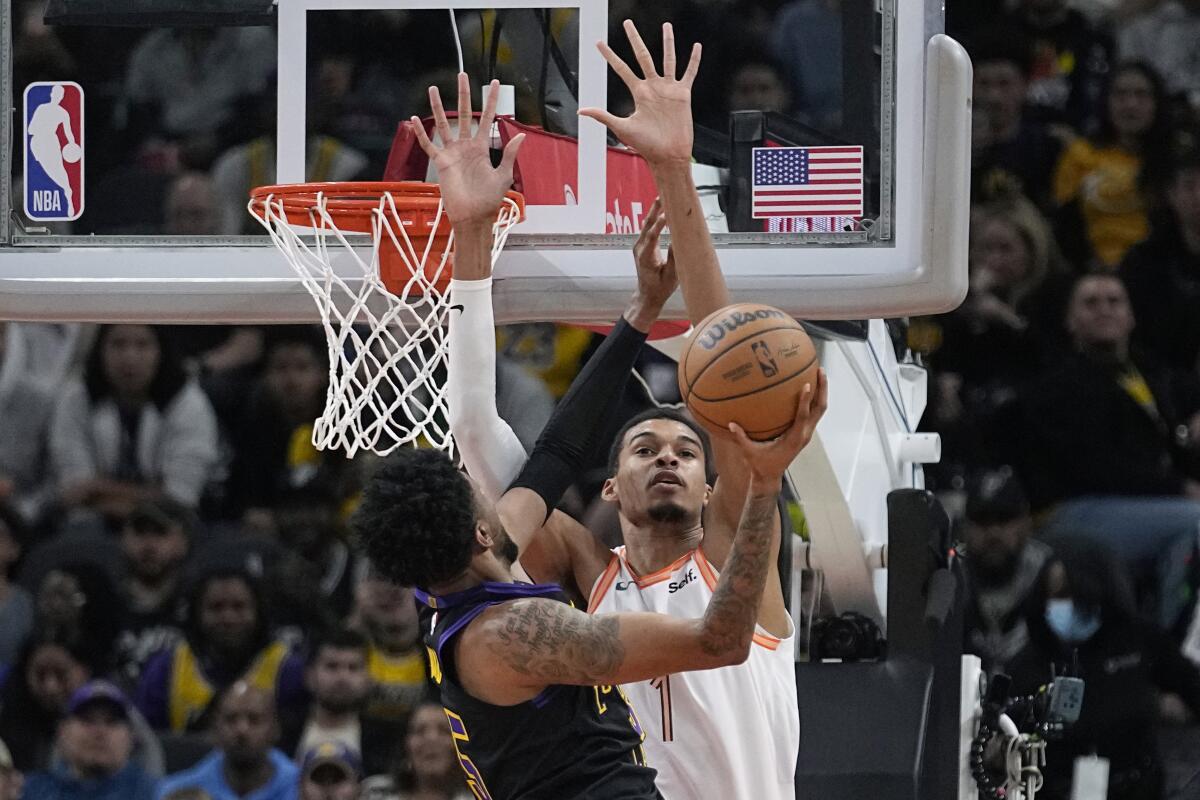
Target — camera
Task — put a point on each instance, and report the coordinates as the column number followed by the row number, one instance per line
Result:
column 849, row 637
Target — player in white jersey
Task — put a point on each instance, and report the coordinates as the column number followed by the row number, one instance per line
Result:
column 733, row 732
column 730, row 732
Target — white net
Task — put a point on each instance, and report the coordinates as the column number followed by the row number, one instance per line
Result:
column 387, row 352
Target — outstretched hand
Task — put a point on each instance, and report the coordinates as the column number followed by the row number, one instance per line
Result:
column 660, row 128
column 472, row 189
column 768, row 461
column 656, row 277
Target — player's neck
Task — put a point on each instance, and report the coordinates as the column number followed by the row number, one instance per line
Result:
column 488, row 570
column 649, row 548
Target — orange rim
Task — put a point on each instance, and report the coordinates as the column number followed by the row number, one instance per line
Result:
column 356, row 200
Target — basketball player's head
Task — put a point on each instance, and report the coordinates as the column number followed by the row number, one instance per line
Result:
column 423, row 523
column 659, row 470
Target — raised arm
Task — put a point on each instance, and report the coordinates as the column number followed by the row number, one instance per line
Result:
column 472, row 191
column 517, row 649
column 564, row 551
column 660, row 128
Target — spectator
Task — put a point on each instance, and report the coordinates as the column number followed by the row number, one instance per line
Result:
column 273, row 450
column 758, row 84
column 25, row 406
column 246, row 166
column 245, row 762
column 1071, row 59
column 16, row 606
column 1005, row 566
column 11, row 779
column 1013, row 152
column 430, row 769
column 985, row 351
column 95, row 748
column 1096, row 183
column 807, row 38
column 35, row 696
column 228, row 639
column 1080, row 625
column 1166, row 37
column 135, row 426
column 387, row 614
column 340, row 685
column 330, row 771
column 78, row 603
column 313, row 579
column 191, row 207
column 1116, row 467
column 154, row 542
column 187, row 84
column 1163, row 273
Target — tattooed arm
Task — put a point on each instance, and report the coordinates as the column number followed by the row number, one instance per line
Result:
column 514, row 650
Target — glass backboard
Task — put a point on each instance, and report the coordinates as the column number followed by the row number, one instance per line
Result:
column 180, row 116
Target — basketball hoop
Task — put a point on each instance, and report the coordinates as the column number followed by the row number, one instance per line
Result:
column 385, row 313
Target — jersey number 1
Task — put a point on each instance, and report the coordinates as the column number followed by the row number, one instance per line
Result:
column 663, row 685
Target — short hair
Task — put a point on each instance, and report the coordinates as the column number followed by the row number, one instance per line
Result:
column 673, row 414
column 338, row 639
column 416, row 522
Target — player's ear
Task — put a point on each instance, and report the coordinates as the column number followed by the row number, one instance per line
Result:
column 608, row 492
column 483, row 535
column 707, row 493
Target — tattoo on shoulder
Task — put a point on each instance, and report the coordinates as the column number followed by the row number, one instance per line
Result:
column 554, row 643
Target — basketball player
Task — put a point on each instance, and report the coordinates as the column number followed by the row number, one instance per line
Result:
column 527, row 680
column 731, row 732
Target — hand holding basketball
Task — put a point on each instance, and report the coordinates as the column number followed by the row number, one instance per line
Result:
column 472, row 188
column 660, row 128
column 769, row 460
column 72, row 152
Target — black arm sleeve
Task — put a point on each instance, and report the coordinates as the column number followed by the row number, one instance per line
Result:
column 572, row 435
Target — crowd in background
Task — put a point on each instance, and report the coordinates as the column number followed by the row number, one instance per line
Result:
column 178, row 595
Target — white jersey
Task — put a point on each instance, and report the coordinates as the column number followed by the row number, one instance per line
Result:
column 731, row 733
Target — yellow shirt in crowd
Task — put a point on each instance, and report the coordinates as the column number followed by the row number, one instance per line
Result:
column 1104, row 181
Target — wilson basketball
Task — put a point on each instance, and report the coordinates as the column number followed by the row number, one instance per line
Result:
column 747, row 363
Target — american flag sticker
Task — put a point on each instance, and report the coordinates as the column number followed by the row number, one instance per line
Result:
column 807, row 182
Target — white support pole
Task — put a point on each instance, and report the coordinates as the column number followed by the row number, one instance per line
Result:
column 292, row 92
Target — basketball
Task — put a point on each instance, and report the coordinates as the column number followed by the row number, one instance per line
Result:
column 72, row 153
column 747, row 363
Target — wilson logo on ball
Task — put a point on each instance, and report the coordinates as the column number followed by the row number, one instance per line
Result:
column 716, row 332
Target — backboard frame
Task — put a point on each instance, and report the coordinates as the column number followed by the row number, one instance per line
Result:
column 576, row 278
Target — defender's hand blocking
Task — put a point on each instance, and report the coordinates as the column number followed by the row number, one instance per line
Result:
column 656, row 276
column 472, row 189
column 660, row 128
column 769, row 460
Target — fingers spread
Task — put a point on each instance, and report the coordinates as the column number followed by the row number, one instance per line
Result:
column 689, row 75
column 422, row 137
column 489, row 109
column 640, row 51
column 668, row 33
column 439, row 114
column 509, row 159
column 464, row 106
column 611, row 121
column 618, row 65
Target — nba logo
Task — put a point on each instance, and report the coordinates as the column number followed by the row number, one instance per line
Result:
column 766, row 361
column 53, row 151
